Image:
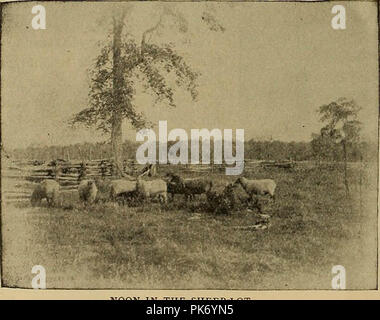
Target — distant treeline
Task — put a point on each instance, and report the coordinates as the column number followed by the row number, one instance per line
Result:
column 260, row 150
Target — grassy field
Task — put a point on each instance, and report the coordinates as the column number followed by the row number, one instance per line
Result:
column 313, row 226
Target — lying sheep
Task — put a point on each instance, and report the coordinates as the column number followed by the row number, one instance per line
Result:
column 87, row 191
column 257, row 187
column 188, row 187
column 150, row 188
column 47, row 189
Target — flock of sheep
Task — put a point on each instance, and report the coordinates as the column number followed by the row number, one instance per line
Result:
column 124, row 190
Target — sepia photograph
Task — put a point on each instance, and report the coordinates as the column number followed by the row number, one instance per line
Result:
column 151, row 145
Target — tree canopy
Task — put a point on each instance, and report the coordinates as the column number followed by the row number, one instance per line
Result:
column 340, row 127
column 147, row 63
column 125, row 63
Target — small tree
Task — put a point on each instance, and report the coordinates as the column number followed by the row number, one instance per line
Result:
column 342, row 127
column 323, row 147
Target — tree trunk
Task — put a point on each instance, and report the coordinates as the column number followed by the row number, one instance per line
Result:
column 118, row 81
column 116, row 141
column 345, row 168
column 360, row 184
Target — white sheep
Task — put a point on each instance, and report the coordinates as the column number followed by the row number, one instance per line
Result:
column 151, row 188
column 122, row 186
column 87, row 191
column 258, row 187
column 47, row 189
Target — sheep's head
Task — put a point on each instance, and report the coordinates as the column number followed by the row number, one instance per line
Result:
column 98, row 181
column 91, row 184
column 238, row 181
column 230, row 186
column 168, row 177
column 172, row 178
column 177, row 179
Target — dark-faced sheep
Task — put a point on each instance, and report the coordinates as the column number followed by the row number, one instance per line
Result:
column 47, row 189
column 188, row 187
column 175, row 185
column 232, row 199
column 87, row 191
column 258, row 187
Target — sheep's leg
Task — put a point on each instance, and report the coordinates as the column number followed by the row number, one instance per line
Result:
column 165, row 197
column 48, row 199
column 36, row 202
column 54, row 198
column 161, row 198
column 120, row 200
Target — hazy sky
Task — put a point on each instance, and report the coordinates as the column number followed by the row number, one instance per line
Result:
column 267, row 73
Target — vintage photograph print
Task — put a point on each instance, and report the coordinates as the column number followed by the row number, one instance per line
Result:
column 189, row 145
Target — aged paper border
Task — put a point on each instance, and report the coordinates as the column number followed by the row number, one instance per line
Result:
column 197, row 295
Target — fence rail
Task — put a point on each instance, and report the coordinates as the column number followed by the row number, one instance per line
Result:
column 20, row 177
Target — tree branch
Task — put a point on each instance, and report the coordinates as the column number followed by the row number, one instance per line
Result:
column 150, row 30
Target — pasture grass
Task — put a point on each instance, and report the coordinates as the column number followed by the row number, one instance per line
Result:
column 313, row 226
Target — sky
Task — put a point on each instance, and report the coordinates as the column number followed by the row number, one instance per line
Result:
column 267, row 73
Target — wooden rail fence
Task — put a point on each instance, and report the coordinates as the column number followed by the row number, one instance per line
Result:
column 20, row 177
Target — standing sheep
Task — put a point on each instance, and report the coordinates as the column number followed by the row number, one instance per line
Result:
column 188, row 187
column 87, row 191
column 257, row 187
column 122, row 187
column 104, row 190
column 175, row 185
column 47, row 189
column 151, row 188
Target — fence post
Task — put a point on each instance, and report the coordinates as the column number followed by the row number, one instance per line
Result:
column 82, row 171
